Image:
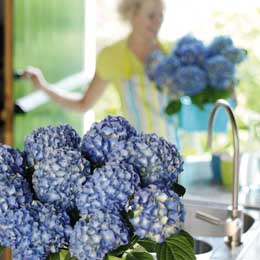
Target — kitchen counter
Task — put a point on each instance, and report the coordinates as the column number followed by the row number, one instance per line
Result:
column 198, row 180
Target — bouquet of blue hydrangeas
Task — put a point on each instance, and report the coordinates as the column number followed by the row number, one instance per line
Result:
column 205, row 73
column 112, row 195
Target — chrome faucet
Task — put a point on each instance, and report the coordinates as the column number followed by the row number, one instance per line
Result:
column 234, row 223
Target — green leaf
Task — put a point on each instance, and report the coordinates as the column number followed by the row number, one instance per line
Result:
column 68, row 257
column 199, row 100
column 188, row 237
column 179, row 189
column 139, row 256
column 173, row 107
column 148, row 244
column 1, row 248
column 110, row 257
column 211, row 95
column 55, row 256
column 65, row 255
column 177, row 247
column 121, row 249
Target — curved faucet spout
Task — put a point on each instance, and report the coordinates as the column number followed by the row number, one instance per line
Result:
column 223, row 103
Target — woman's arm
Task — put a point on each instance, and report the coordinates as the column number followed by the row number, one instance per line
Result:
column 94, row 91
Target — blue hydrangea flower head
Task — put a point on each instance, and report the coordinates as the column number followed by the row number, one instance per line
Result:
column 34, row 232
column 191, row 51
column 93, row 237
column 59, row 177
column 108, row 188
column 11, row 160
column 185, row 40
column 156, row 160
column 48, row 138
column 189, row 80
column 164, row 71
column 220, row 72
column 219, row 44
column 157, row 214
column 103, row 136
column 152, row 62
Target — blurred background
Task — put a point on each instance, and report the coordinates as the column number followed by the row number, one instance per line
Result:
column 62, row 38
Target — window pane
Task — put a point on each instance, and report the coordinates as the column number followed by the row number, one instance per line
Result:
column 48, row 34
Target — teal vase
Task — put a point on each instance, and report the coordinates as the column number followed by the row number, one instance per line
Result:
column 194, row 119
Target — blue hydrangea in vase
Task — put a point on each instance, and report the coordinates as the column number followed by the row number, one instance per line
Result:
column 111, row 195
column 195, row 75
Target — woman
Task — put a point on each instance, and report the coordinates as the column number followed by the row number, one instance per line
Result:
column 122, row 63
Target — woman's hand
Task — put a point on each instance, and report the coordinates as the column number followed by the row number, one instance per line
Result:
column 36, row 76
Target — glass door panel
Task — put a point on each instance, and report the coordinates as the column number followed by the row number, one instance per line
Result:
column 50, row 35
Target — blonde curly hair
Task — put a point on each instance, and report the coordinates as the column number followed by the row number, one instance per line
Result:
column 128, row 8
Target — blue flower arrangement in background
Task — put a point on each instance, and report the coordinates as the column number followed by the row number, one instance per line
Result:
column 203, row 72
column 104, row 196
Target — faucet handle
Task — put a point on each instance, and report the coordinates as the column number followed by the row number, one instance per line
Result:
column 209, row 218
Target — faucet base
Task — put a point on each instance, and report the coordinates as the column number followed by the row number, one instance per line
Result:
column 234, row 228
column 231, row 243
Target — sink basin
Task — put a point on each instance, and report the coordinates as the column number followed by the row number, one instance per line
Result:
column 198, row 227
column 210, row 238
column 202, row 249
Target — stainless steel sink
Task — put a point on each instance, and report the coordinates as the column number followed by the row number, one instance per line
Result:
column 209, row 238
column 202, row 249
column 198, row 227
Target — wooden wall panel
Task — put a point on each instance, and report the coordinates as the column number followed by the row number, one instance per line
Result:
column 8, row 72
